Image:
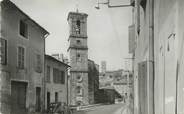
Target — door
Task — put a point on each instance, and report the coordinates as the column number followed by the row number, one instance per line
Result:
column 38, row 99
column 56, row 97
column 18, row 95
column 48, row 100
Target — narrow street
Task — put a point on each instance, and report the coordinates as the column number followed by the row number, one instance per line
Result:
column 107, row 109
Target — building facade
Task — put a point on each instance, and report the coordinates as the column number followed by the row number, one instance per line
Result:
column 56, row 73
column 168, row 48
column 124, row 85
column 93, row 81
column 22, row 50
column 141, row 46
column 121, row 81
column 78, row 58
column 158, row 54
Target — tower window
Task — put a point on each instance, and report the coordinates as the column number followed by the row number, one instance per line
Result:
column 78, row 42
column 78, row 57
column 78, row 27
column 79, row 90
column 79, row 78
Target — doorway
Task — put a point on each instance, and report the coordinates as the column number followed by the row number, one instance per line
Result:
column 48, row 100
column 18, row 95
column 38, row 99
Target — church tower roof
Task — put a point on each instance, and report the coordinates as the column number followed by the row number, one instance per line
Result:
column 77, row 14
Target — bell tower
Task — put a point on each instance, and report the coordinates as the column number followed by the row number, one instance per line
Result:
column 78, row 58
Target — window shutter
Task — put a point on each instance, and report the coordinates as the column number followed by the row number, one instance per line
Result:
column 3, row 55
column 132, row 43
column 21, row 55
column 62, row 77
column 38, row 66
column 48, row 74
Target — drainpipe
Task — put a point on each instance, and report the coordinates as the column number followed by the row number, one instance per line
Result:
column 151, row 58
column 44, row 77
column 1, row 66
column 67, row 89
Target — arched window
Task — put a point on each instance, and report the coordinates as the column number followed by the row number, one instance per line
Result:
column 78, row 24
column 78, row 57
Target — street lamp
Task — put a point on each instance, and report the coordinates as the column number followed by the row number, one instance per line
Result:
column 112, row 6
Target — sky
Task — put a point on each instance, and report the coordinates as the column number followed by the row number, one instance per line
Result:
column 107, row 28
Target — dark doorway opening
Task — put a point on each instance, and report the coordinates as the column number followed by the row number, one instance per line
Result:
column 18, row 96
column 48, row 100
column 38, row 99
column 56, row 97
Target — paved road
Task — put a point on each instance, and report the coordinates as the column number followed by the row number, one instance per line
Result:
column 107, row 109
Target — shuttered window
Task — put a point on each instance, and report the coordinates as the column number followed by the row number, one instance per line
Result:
column 58, row 76
column 48, row 74
column 38, row 63
column 21, row 57
column 3, row 51
column 132, row 42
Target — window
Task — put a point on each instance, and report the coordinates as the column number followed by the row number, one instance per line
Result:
column 78, row 58
column 48, row 74
column 62, row 77
column 56, row 96
column 79, row 90
column 78, row 27
column 38, row 63
column 110, row 76
column 78, row 42
column 58, row 76
column 79, row 78
column 23, row 29
column 21, row 57
column 3, row 49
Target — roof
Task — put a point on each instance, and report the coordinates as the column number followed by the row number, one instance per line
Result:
column 11, row 3
column 56, row 60
column 76, row 13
